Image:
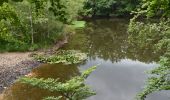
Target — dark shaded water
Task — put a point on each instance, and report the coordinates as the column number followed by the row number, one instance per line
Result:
column 120, row 75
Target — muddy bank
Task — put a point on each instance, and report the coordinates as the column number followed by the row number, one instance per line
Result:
column 14, row 65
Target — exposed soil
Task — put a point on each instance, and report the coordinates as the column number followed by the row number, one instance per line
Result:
column 14, row 65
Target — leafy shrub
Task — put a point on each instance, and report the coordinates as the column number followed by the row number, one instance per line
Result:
column 110, row 7
column 145, row 35
column 157, row 33
column 38, row 22
column 73, row 89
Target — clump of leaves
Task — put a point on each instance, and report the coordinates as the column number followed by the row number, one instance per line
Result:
column 73, row 89
column 63, row 56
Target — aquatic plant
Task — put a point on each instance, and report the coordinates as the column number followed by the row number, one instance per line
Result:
column 63, row 56
column 73, row 89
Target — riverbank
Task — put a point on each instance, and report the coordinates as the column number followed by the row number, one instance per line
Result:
column 16, row 64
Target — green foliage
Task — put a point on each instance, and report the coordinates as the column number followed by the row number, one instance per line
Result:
column 159, row 79
column 66, row 57
column 73, row 89
column 62, row 11
column 9, row 24
column 143, row 34
column 110, row 7
column 156, row 7
column 5, row 1
column 39, row 22
column 158, row 35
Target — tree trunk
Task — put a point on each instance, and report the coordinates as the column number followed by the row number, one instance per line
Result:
column 31, row 24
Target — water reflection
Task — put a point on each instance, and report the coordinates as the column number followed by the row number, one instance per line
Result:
column 123, row 65
column 121, row 73
column 26, row 92
column 162, row 95
column 117, row 81
column 108, row 39
column 64, row 72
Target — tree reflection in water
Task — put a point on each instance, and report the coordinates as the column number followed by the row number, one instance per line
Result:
column 108, row 39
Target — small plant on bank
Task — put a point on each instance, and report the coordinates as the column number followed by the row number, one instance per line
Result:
column 63, row 56
column 73, row 89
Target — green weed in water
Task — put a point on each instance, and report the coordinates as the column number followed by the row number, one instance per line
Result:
column 63, row 56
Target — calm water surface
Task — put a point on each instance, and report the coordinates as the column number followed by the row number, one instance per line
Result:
column 120, row 75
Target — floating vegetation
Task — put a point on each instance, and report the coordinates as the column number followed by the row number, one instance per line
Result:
column 63, row 56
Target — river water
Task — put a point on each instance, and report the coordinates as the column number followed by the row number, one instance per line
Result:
column 121, row 66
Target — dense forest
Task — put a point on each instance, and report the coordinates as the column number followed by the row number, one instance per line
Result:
column 41, row 22
column 31, row 25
